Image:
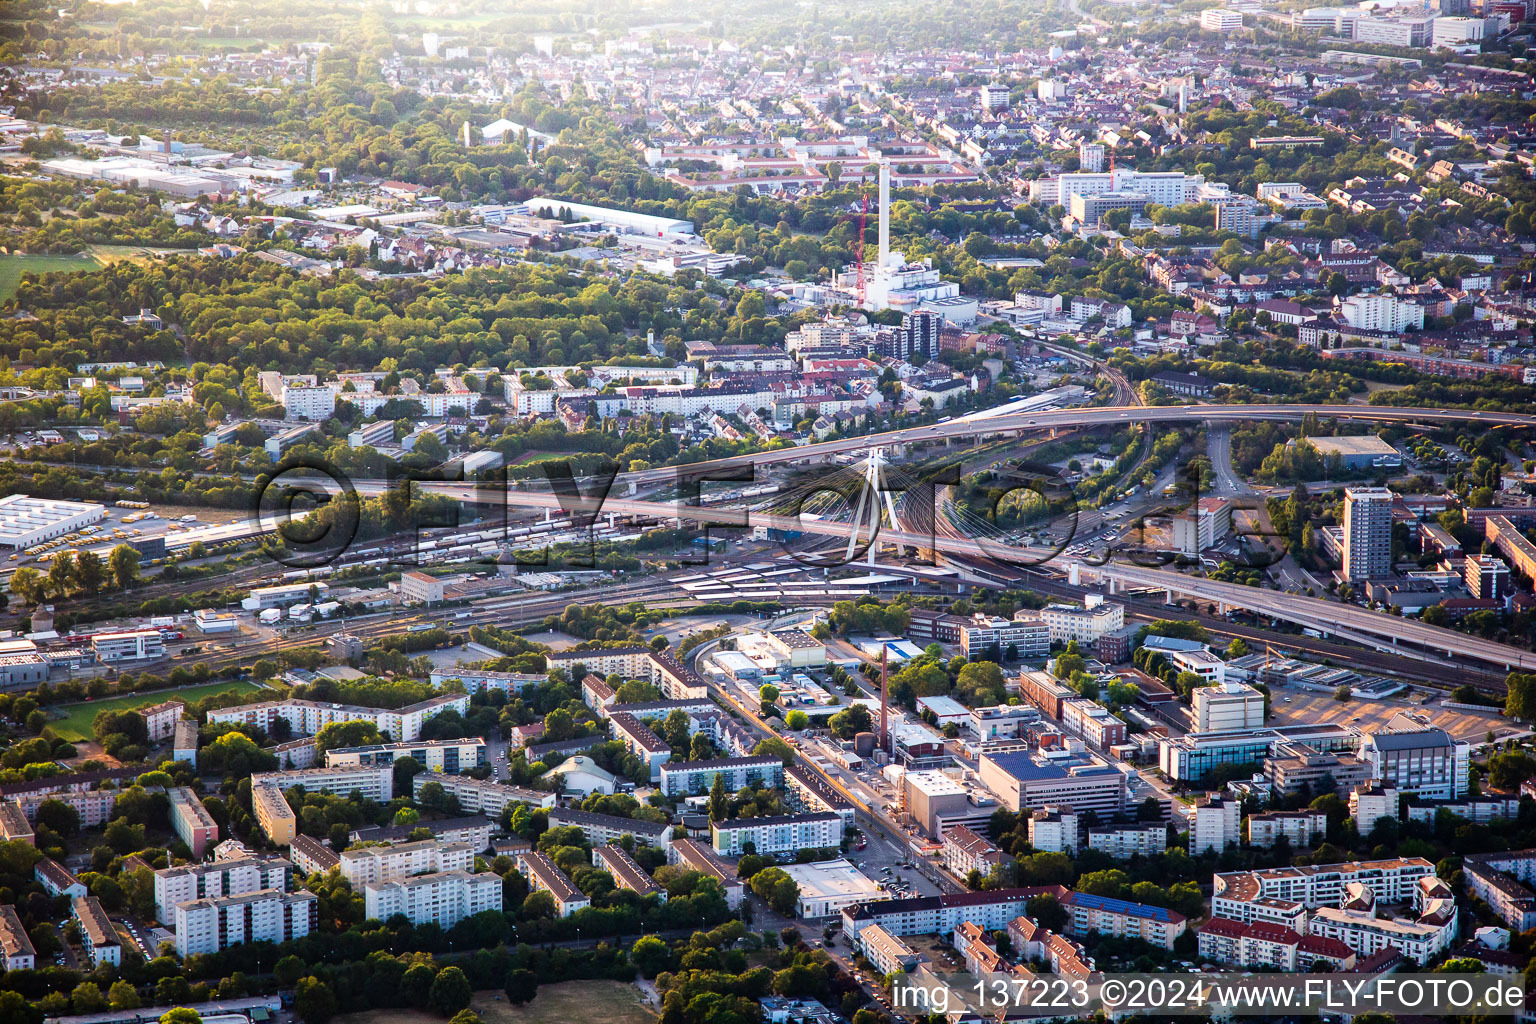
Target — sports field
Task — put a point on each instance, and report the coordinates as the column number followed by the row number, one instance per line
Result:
column 76, row 720
column 12, row 267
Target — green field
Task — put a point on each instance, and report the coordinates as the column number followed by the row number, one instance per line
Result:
column 570, row 1002
column 76, row 720
column 12, row 267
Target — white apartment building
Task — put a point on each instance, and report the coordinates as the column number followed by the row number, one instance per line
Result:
column 451, row 756
column 1227, row 706
column 1299, row 828
column 362, row 865
column 1236, row 894
column 267, row 915
column 1371, row 803
column 681, row 778
column 1053, row 830
column 308, row 402
column 189, row 882
column 773, row 835
column 1201, row 527
column 1085, row 624
column 160, row 719
column 15, row 946
column 375, row 782
column 966, row 850
column 888, row 953
column 98, row 935
column 1365, row 933
column 1167, row 188
column 444, row 898
column 982, row 634
column 1215, row 823
column 1382, row 313
column 483, row 796
column 1126, row 841
column 307, row 717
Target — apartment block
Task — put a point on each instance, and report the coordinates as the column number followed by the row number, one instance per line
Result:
column 773, row 835
column 888, row 953
column 362, row 865
column 160, row 719
column 602, row 829
column 1126, row 841
column 1122, row 919
column 14, row 943
column 191, row 821
column 625, row 872
column 544, row 876
column 444, row 898
column 1299, row 828
column 267, row 915
column 188, row 882
column 273, row 814
column 374, row 782
column 1054, row 830
column 483, row 796
column 98, row 935
column 1215, row 823
column 688, row 778
column 451, row 756
column 307, row 717
column 1426, row 763
column 1234, row 894
column 696, row 856
column 57, row 880
column 965, row 851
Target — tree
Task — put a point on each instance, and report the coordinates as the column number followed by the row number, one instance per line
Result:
column 124, row 563
column 90, row 573
column 123, row 996
column 522, row 984
column 450, row 992
column 718, row 805
column 1046, row 910
column 314, row 1001
column 87, row 998
column 180, row 1015
column 28, row 584
column 1342, row 694
column 651, row 955
column 797, row 720
column 356, row 733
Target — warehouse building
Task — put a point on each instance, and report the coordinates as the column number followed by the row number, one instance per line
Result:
column 27, row 521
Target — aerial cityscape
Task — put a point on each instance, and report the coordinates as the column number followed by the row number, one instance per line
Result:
column 646, row 513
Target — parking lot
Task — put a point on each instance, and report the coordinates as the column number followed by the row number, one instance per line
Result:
column 1302, row 707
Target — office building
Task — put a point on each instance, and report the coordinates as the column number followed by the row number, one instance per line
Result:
column 1299, row 828
column 128, row 645
column 374, row 782
column 98, row 935
column 361, row 865
column 544, row 876
column 625, row 872
column 1090, row 209
column 1367, row 533
column 601, row 829
column 1296, row 767
column 1126, row 841
column 1001, row 720
column 1227, row 706
column 14, row 942
column 686, row 778
column 451, row 756
column 483, row 796
column 696, row 856
column 786, row 833
column 1426, row 763
column 828, row 886
column 1201, row 662
column 997, row 638
column 936, row 802
column 191, row 821
column 443, row 898
column 188, row 882
column 1215, row 823
column 1219, row 19
column 1029, row 782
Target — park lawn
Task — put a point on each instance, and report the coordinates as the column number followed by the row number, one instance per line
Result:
column 75, row 723
column 570, row 1002
column 13, row 266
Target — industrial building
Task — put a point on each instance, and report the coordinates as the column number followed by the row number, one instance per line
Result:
column 25, row 521
column 1025, row 781
column 827, row 886
column 621, row 221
